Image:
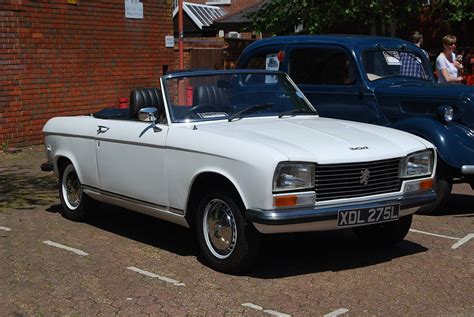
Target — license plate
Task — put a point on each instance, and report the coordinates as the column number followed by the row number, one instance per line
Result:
column 360, row 216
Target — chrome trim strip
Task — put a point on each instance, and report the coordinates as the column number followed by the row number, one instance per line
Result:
column 197, row 152
column 169, row 214
column 108, row 140
column 467, row 169
column 70, row 135
column 136, row 143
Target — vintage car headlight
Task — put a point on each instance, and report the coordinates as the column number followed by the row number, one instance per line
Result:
column 446, row 113
column 417, row 164
column 290, row 176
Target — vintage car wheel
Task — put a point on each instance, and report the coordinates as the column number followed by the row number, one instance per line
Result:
column 442, row 188
column 75, row 204
column 228, row 244
column 384, row 234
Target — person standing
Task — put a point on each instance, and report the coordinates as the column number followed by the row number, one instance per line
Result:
column 412, row 65
column 448, row 68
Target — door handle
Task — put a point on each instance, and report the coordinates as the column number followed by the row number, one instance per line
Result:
column 102, row 129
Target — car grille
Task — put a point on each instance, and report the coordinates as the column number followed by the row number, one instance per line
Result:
column 336, row 181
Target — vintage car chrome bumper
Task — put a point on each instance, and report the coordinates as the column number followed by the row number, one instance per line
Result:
column 325, row 217
column 467, row 169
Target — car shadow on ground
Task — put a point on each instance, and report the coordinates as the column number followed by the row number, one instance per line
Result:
column 280, row 255
column 458, row 205
column 306, row 253
column 141, row 228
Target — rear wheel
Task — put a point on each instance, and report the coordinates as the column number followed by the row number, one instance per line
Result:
column 75, row 204
column 385, row 234
column 227, row 242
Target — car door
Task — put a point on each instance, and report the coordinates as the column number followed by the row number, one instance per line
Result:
column 131, row 160
column 329, row 78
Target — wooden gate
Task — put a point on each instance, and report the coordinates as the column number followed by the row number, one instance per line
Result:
column 208, row 58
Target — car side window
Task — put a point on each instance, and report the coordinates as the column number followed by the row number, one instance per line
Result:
column 259, row 60
column 321, row 66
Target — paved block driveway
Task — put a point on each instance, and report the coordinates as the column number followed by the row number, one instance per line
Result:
column 124, row 263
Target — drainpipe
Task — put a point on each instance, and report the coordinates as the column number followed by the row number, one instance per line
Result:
column 180, row 34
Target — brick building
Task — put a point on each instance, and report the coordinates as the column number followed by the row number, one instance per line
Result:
column 61, row 58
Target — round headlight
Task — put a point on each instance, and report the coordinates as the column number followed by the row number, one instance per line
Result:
column 446, row 113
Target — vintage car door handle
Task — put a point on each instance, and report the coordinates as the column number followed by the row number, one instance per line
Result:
column 102, row 129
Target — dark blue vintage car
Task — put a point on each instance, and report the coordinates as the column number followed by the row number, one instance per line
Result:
column 383, row 81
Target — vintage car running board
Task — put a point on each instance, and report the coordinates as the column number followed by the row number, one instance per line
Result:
column 169, row 214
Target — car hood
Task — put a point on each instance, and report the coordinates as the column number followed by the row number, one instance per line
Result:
column 321, row 140
column 423, row 97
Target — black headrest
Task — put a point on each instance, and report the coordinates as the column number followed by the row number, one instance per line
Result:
column 144, row 98
column 210, row 95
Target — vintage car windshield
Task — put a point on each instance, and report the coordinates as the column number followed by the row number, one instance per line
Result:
column 232, row 95
column 395, row 63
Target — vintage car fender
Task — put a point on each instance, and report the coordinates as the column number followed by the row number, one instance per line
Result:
column 68, row 137
column 248, row 166
column 454, row 142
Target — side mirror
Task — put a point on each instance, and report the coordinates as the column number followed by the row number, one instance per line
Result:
column 148, row 114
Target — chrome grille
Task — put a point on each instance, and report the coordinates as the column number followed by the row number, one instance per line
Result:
column 336, row 181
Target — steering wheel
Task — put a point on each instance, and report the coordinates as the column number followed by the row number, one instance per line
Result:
column 202, row 108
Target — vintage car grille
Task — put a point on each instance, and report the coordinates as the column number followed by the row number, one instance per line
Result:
column 336, row 181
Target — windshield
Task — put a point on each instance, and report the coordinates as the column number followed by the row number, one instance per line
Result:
column 232, row 96
column 389, row 63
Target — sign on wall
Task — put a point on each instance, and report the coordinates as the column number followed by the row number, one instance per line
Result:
column 133, row 9
column 169, row 41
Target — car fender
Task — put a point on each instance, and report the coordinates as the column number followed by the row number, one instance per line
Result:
column 248, row 180
column 223, row 173
column 454, row 142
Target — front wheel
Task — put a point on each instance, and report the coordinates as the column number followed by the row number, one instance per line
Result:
column 75, row 204
column 442, row 188
column 385, row 234
column 228, row 244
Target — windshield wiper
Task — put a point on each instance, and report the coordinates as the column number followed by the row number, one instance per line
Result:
column 249, row 110
column 294, row 112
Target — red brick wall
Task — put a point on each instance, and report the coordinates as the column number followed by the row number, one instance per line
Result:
column 62, row 59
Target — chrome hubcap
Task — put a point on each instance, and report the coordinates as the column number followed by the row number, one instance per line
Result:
column 72, row 188
column 219, row 228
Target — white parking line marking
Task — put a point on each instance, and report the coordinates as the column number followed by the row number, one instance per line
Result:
column 5, row 228
column 434, row 234
column 462, row 241
column 268, row 311
column 57, row 245
column 337, row 312
column 162, row 278
column 253, row 306
column 275, row 313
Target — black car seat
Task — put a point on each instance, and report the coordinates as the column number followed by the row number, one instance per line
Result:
column 210, row 95
column 145, row 98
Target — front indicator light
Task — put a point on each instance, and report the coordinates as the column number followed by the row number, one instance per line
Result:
column 285, row 201
column 294, row 200
column 426, row 184
column 419, row 185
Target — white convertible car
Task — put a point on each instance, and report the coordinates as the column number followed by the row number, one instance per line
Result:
column 237, row 154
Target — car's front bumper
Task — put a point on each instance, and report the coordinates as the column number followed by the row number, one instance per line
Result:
column 325, row 217
column 467, row 169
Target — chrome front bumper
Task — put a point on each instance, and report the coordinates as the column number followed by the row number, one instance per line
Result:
column 325, row 217
column 467, row 169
